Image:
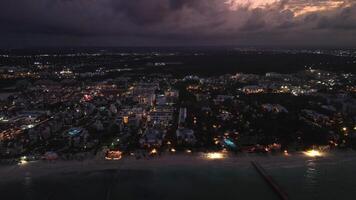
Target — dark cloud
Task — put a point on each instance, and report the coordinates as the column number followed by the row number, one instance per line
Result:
column 176, row 22
column 344, row 20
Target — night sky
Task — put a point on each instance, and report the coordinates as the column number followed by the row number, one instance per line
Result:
column 54, row 23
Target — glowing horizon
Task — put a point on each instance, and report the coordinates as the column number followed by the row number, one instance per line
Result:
column 298, row 8
column 252, row 4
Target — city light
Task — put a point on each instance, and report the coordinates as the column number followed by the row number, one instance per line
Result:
column 126, row 119
column 215, row 156
column 154, row 151
column 113, row 155
column 23, row 160
column 313, row 153
column 286, row 153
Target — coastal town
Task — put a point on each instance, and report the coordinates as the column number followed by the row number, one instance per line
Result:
column 177, row 99
column 64, row 113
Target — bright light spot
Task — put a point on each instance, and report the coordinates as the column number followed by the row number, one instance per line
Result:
column 215, row 156
column 154, row 151
column 313, row 153
column 28, row 126
column 286, row 152
column 189, row 151
column 344, row 128
column 173, row 150
column 23, row 162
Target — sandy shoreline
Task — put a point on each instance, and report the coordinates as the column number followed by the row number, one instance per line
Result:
column 45, row 168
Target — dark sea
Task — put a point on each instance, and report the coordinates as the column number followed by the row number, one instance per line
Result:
column 331, row 177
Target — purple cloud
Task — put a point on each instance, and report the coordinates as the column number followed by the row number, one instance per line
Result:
column 176, row 22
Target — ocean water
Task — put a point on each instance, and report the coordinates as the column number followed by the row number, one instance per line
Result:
column 330, row 177
column 318, row 179
column 166, row 183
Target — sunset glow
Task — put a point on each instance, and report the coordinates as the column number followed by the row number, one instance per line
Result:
column 252, row 4
column 310, row 7
column 297, row 7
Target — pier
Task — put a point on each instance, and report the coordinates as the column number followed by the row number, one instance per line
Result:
column 271, row 182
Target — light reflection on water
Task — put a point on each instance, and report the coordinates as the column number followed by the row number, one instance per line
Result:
column 326, row 178
column 311, row 177
column 27, row 185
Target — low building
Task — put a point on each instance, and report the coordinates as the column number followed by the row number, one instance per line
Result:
column 160, row 115
column 185, row 135
column 152, row 138
column 275, row 108
column 253, row 89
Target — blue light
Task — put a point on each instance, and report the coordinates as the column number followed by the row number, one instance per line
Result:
column 74, row 131
column 229, row 143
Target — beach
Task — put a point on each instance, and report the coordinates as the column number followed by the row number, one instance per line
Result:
column 177, row 176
